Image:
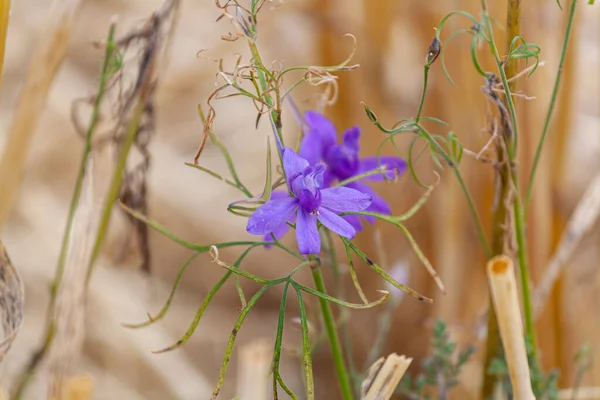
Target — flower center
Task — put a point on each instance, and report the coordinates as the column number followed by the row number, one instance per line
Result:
column 306, row 187
column 342, row 161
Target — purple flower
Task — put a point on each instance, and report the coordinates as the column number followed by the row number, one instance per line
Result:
column 310, row 202
column 320, row 144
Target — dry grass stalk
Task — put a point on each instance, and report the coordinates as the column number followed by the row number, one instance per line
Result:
column 69, row 313
column 581, row 222
column 504, row 293
column 383, row 376
column 45, row 62
column 11, row 301
column 253, row 371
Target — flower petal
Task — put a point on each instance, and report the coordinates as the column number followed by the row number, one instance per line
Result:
column 342, row 199
column 335, row 223
column 293, row 165
column 307, row 233
column 379, row 205
column 278, row 233
column 354, row 220
column 321, row 126
column 271, row 215
column 392, row 163
column 351, row 138
column 311, row 149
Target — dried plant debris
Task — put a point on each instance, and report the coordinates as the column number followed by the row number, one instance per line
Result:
column 383, row 377
column 133, row 78
column 148, row 42
column 11, row 301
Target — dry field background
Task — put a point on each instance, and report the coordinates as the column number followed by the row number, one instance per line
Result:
column 393, row 37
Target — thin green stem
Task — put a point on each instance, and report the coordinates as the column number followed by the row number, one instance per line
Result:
column 344, row 312
column 306, row 349
column 474, row 213
column 509, row 182
column 115, row 184
column 336, row 348
column 465, row 190
column 524, row 275
column 425, row 78
column 538, row 152
column 215, row 139
column 517, row 204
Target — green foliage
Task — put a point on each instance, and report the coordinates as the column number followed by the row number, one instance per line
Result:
column 524, row 50
column 440, row 370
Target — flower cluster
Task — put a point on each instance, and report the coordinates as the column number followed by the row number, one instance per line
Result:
column 311, row 197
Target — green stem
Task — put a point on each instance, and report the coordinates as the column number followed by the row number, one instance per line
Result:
column 508, row 181
column 517, row 204
column 474, row 213
column 344, row 312
column 538, row 152
column 425, row 78
column 336, row 348
column 115, row 184
column 524, row 271
column 471, row 203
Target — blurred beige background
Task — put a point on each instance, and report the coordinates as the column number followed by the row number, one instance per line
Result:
column 393, row 37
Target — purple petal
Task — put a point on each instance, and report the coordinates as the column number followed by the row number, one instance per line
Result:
column 379, row 205
column 318, row 174
column 307, row 233
column 311, row 149
column 335, row 223
column 392, row 163
column 351, row 137
column 293, row 165
column 342, row 199
column 279, row 194
column 321, row 126
column 328, row 179
column 271, row 215
column 278, row 233
column 354, row 220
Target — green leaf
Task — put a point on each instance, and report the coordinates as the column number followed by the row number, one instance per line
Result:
column 277, row 349
column 455, row 147
column 306, row 351
column 233, row 336
column 246, row 207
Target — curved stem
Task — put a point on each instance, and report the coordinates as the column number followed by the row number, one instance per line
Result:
column 425, row 78
column 538, row 152
column 334, row 341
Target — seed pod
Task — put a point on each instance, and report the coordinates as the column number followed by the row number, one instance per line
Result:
column 434, row 51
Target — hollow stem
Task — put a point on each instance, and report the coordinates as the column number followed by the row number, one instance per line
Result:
column 334, row 341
